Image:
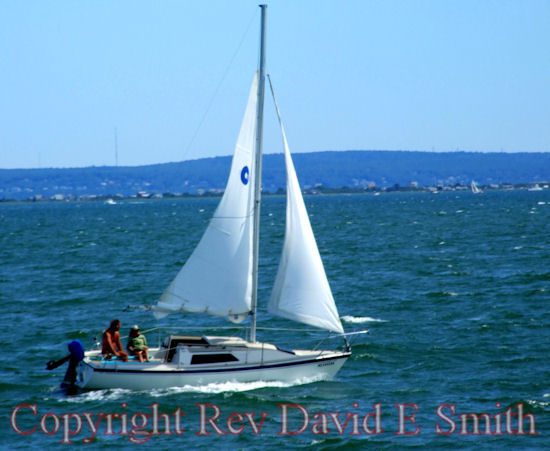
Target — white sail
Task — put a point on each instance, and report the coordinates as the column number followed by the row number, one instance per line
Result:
column 301, row 291
column 217, row 277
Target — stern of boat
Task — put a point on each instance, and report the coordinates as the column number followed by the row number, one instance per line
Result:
column 84, row 373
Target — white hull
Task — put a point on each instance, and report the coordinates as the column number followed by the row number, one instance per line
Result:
column 253, row 362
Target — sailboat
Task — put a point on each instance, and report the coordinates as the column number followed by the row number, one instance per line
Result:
column 221, row 278
column 475, row 188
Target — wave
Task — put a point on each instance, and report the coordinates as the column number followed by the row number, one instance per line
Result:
column 114, row 394
column 213, row 388
column 544, row 405
column 441, row 294
column 362, row 319
column 225, row 387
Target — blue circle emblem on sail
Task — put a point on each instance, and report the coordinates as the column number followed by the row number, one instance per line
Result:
column 244, row 175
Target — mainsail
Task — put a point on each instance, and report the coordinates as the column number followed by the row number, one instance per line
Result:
column 301, row 291
column 217, row 277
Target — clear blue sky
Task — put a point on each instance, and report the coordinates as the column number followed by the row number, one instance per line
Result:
column 387, row 75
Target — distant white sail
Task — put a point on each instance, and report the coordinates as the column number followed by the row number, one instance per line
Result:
column 217, row 277
column 475, row 188
column 301, row 291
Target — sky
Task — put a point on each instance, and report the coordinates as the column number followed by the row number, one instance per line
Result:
column 136, row 82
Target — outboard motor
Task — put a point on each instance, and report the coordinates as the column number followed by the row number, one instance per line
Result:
column 76, row 354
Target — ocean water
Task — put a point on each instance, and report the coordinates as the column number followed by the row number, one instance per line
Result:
column 454, row 289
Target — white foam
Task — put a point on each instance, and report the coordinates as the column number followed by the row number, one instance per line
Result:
column 536, row 403
column 98, row 395
column 362, row 319
column 233, row 386
column 213, row 388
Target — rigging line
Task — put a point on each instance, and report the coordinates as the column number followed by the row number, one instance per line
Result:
column 214, row 95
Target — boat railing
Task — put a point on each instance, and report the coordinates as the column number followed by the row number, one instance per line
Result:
column 244, row 332
column 241, row 331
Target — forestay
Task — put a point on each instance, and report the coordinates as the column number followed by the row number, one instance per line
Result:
column 217, row 277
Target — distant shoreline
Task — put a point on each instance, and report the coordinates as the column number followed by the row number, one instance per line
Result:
column 319, row 191
column 328, row 171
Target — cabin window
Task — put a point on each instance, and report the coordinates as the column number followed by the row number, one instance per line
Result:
column 198, row 359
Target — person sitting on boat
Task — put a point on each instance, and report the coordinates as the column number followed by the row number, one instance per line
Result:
column 111, row 345
column 137, row 344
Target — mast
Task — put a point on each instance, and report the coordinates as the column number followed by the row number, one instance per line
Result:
column 258, row 178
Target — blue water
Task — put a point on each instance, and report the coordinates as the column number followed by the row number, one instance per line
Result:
column 453, row 287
